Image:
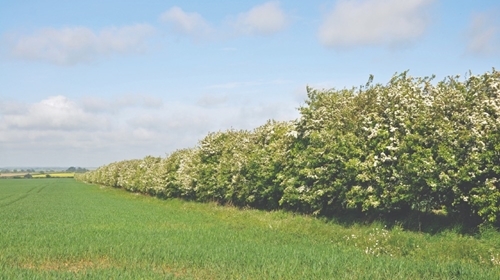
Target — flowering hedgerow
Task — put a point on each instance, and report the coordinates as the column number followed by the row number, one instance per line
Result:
column 409, row 145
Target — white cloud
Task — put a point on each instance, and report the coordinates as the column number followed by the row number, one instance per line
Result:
column 10, row 107
column 374, row 23
column 71, row 45
column 191, row 24
column 97, row 104
column 265, row 19
column 483, row 34
column 62, row 131
column 53, row 113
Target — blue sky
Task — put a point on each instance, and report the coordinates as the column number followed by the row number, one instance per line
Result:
column 86, row 83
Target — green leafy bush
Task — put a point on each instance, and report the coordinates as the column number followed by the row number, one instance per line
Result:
column 410, row 145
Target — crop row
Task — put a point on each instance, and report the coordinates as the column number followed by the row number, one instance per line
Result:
column 409, row 145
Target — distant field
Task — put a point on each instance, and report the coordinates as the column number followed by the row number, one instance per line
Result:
column 63, row 229
column 35, row 175
column 12, row 174
column 55, row 175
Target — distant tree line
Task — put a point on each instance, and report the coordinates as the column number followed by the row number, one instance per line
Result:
column 29, row 170
column 32, row 170
column 77, row 169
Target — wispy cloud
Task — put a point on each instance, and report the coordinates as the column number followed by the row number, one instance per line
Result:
column 261, row 20
column 266, row 19
column 235, row 85
column 374, row 23
column 72, row 45
column 187, row 23
column 98, row 104
column 483, row 34
column 210, row 100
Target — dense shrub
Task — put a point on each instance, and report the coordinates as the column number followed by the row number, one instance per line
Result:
column 409, row 145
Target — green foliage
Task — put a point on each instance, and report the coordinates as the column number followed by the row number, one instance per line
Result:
column 408, row 146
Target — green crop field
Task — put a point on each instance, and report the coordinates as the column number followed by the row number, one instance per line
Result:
column 63, row 229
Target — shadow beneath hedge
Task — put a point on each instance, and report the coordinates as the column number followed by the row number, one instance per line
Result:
column 431, row 223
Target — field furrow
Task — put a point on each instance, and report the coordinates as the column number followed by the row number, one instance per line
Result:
column 6, row 196
column 19, row 198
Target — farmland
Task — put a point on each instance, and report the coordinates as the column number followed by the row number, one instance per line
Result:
column 62, row 229
column 55, row 175
column 37, row 175
column 40, row 172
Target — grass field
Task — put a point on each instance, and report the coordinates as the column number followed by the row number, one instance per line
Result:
column 62, row 229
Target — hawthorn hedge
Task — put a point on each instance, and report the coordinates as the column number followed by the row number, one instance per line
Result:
column 409, row 145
